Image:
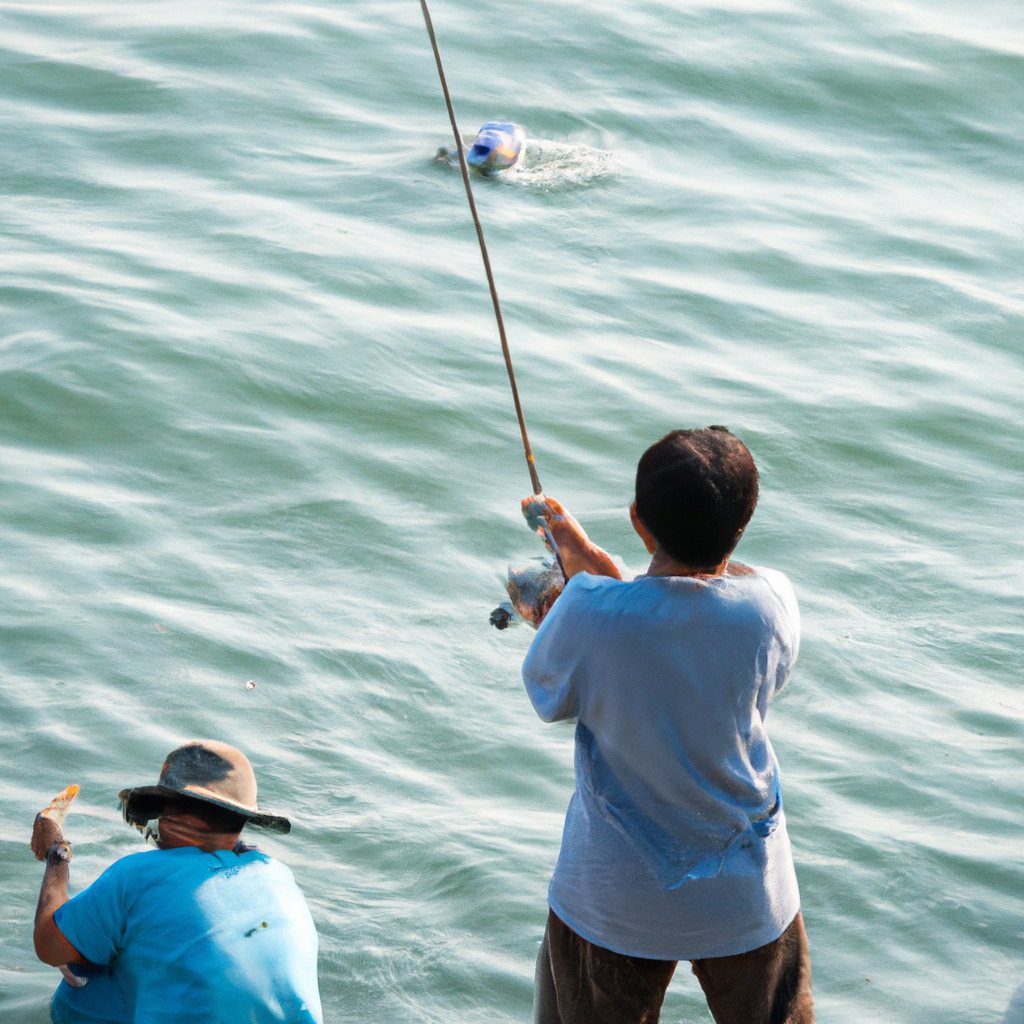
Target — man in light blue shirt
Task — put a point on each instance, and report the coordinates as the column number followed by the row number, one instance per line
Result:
column 203, row 930
column 675, row 844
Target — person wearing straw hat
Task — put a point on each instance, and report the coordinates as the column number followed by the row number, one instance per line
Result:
column 203, row 929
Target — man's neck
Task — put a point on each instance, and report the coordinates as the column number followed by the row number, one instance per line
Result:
column 178, row 830
column 663, row 564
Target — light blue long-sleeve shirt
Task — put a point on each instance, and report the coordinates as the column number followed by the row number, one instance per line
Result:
column 675, row 844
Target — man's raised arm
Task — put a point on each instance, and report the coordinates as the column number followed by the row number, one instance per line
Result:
column 49, row 844
column 576, row 551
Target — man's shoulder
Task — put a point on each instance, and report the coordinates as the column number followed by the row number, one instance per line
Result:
column 775, row 578
column 253, row 867
column 778, row 585
column 586, row 587
column 163, row 864
column 128, row 874
column 148, row 879
column 746, row 592
column 134, row 863
column 585, row 595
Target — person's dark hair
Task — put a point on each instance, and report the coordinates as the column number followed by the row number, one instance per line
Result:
column 695, row 492
column 220, row 819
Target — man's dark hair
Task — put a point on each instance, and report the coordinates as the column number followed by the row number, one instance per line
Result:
column 695, row 492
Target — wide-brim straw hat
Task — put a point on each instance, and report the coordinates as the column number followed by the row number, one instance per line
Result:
column 206, row 770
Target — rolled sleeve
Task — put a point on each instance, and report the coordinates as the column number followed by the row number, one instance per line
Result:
column 94, row 920
column 551, row 670
column 787, row 623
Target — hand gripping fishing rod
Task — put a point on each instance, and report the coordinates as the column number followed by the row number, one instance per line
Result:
column 534, row 479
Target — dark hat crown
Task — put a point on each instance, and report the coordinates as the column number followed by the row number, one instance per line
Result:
column 203, row 770
column 210, row 769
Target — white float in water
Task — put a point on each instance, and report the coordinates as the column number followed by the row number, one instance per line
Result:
column 499, row 146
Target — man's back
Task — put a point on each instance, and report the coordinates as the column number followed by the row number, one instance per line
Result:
column 193, row 936
column 677, row 798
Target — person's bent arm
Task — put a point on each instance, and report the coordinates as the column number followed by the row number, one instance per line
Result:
column 51, row 946
column 576, row 551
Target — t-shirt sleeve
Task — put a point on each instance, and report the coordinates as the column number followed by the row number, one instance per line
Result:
column 552, row 668
column 94, row 920
column 787, row 623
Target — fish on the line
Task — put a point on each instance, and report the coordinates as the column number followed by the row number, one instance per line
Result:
column 532, row 589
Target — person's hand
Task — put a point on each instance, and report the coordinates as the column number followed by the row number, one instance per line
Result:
column 45, row 833
column 576, row 551
column 72, row 979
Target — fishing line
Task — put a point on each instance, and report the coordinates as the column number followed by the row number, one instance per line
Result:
column 534, row 479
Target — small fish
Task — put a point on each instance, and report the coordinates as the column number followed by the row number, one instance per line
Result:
column 533, row 590
column 58, row 808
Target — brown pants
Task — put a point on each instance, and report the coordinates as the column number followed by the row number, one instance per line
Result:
column 580, row 983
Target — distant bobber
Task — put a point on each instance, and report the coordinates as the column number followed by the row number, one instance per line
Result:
column 498, row 147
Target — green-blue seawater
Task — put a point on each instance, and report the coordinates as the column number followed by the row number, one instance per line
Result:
column 255, row 425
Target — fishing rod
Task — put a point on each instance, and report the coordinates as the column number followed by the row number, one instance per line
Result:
column 534, row 479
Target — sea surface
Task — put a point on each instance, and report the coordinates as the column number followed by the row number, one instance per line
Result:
column 255, row 426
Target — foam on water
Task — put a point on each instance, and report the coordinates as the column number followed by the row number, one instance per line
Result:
column 555, row 165
column 546, row 165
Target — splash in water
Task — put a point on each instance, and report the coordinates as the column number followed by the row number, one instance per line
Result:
column 552, row 165
column 542, row 164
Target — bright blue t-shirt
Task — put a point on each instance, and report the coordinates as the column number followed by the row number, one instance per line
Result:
column 187, row 936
